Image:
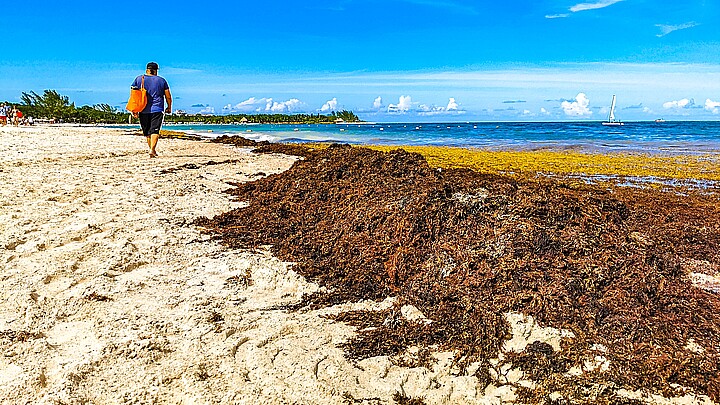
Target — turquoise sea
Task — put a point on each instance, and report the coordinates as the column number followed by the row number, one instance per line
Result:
column 681, row 137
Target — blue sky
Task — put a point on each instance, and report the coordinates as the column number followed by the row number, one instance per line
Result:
column 387, row 60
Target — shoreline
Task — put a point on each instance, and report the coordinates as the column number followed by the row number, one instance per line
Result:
column 112, row 294
column 673, row 172
column 695, row 170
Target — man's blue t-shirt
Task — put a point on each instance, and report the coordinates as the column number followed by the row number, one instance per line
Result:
column 155, row 86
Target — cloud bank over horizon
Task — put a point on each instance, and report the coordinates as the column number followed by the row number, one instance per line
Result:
column 480, row 94
column 265, row 105
column 579, row 107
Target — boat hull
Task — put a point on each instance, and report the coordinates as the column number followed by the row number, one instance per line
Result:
column 613, row 124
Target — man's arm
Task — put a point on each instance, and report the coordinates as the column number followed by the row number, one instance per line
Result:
column 168, row 99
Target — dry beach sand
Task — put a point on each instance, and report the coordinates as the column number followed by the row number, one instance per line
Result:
column 110, row 294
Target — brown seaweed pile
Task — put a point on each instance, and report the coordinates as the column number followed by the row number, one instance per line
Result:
column 465, row 248
column 237, row 141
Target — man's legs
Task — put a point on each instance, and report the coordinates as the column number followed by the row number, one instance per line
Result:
column 151, row 123
column 154, row 132
column 152, row 143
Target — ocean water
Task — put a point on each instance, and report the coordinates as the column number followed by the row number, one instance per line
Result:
column 672, row 138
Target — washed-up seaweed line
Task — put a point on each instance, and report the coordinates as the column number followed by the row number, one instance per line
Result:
column 466, row 247
column 695, row 167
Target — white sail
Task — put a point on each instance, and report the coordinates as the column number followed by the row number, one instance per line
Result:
column 612, row 110
column 611, row 118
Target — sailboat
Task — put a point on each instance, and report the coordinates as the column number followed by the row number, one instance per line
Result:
column 611, row 118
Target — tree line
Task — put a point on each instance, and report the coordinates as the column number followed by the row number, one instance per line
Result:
column 51, row 105
column 346, row 116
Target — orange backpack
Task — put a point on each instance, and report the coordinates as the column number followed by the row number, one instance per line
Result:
column 138, row 98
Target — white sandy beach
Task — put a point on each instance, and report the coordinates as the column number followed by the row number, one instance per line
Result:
column 110, row 294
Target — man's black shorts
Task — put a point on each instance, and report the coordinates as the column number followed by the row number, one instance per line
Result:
column 151, row 122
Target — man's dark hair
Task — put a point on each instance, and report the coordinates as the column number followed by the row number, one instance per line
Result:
column 152, row 67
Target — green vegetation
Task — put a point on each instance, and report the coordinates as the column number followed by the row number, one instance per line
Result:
column 51, row 105
column 346, row 116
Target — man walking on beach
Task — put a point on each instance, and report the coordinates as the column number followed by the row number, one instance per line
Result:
column 158, row 91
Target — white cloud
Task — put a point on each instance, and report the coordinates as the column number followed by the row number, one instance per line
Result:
column 252, row 101
column 378, row 104
column 292, row 105
column 269, row 104
column 260, row 105
column 666, row 29
column 593, row 6
column 452, row 108
column 330, row 105
column 712, row 106
column 543, row 111
column 552, row 16
column 426, row 110
column 678, row 104
column 250, row 105
column 404, row 104
column 577, row 108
